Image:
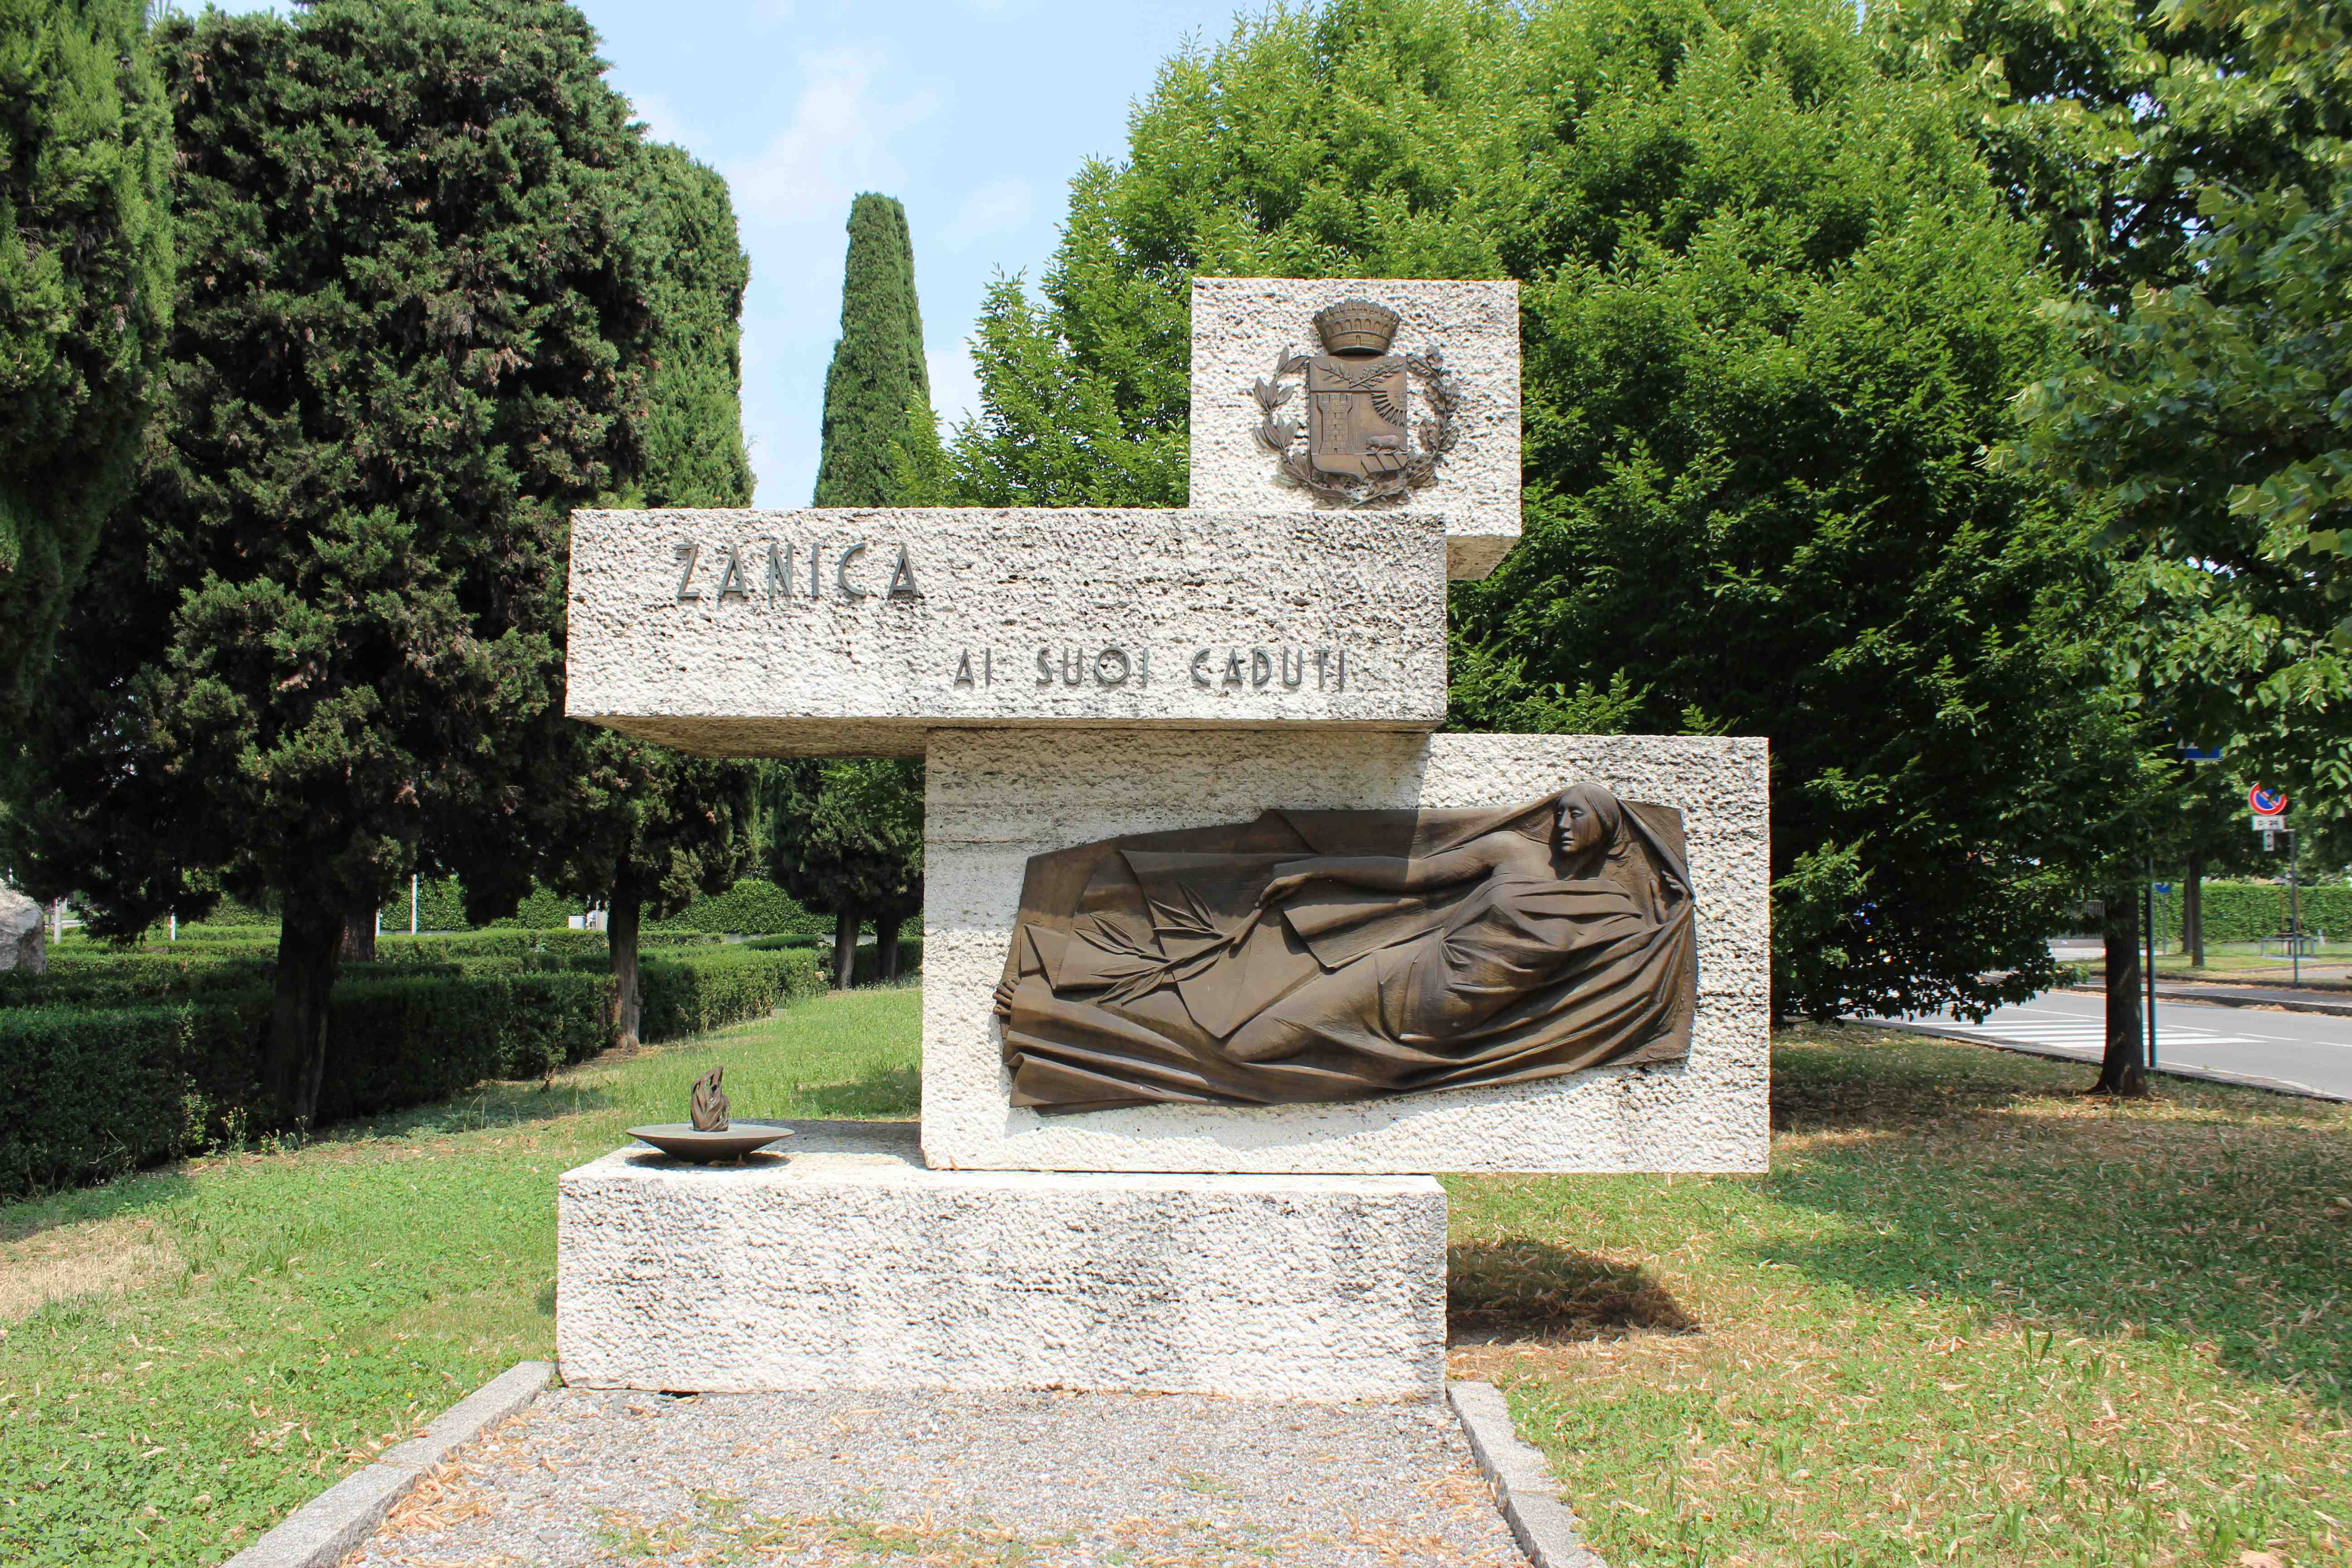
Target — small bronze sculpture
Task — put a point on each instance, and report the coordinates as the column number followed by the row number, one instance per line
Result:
column 710, row 1137
column 1336, row 956
column 1358, row 427
column 707, row 1106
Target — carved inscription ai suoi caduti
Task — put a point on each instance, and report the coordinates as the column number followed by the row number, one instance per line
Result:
column 1337, row 955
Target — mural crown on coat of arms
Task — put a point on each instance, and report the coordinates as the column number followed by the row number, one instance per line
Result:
column 1355, row 327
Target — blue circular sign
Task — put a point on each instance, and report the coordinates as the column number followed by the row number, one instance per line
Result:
column 2267, row 800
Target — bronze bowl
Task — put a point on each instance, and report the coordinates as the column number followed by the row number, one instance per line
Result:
column 683, row 1141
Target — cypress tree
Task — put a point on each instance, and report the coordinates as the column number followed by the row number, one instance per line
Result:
column 877, row 374
column 407, row 340
column 638, row 826
column 85, row 297
column 841, row 840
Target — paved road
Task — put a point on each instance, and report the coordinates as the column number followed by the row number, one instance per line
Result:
column 2305, row 1051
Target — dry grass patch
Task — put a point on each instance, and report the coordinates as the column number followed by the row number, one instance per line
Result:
column 81, row 1262
column 1971, row 1317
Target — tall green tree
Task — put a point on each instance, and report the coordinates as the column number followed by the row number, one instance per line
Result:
column 2093, row 121
column 85, row 300
column 846, row 837
column 2211, row 422
column 877, row 373
column 1772, row 311
column 408, row 340
column 636, row 826
column 840, row 839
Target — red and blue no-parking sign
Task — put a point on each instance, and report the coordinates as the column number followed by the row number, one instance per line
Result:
column 2267, row 800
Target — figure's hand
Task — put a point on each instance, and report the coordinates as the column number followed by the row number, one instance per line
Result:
column 1004, row 998
column 1282, row 888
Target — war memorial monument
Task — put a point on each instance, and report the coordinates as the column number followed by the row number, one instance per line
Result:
column 1228, row 951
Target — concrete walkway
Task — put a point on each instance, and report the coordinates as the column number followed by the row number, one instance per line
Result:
column 1041, row 1479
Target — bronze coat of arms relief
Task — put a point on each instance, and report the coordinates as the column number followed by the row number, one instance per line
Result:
column 1362, row 441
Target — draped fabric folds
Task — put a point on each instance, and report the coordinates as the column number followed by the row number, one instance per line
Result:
column 1144, row 969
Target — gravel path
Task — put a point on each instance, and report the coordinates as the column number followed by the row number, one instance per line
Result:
column 953, row 1481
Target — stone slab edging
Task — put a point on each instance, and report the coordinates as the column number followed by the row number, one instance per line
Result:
column 1543, row 1525
column 322, row 1532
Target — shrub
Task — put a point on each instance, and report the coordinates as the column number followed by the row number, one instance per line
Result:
column 94, row 1093
column 910, row 962
column 712, row 990
column 2247, row 911
column 122, row 1059
column 752, row 907
column 400, row 1042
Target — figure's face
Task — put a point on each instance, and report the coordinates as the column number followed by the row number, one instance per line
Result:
column 1579, row 828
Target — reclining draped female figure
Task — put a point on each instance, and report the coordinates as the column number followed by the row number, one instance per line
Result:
column 1334, row 956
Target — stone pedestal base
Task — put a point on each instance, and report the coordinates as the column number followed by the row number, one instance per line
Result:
column 846, row 1264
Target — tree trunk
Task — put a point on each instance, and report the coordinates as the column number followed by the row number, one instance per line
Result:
column 621, row 919
column 885, row 947
column 294, row 1060
column 2192, row 911
column 2123, row 1069
column 844, row 948
column 359, row 934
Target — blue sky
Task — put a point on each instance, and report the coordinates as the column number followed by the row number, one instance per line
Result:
column 973, row 112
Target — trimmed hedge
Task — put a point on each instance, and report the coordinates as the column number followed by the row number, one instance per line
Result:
column 711, row 991
column 752, row 907
column 395, row 1043
column 96, row 1090
column 2247, row 911
column 93, row 1094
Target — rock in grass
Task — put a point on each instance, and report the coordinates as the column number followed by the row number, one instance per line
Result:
column 22, row 933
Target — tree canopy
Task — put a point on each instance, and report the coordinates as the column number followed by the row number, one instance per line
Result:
column 85, row 297
column 636, row 826
column 410, row 336
column 877, row 374
column 2210, row 421
column 1772, row 311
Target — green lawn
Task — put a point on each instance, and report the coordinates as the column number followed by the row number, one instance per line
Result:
column 1969, row 1318
column 259, row 1324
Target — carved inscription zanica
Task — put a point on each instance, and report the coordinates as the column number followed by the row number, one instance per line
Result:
column 778, row 569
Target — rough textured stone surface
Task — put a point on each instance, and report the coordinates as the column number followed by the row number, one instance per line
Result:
column 997, row 797
column 1120, row 603
column 1243, row 326
column 24, row 933
column 845, row 1264
column 861, row 1479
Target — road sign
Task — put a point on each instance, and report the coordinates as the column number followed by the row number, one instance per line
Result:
column 2267, row 800
column 2270, row 842
column 2269, row 824
column 2200, row 754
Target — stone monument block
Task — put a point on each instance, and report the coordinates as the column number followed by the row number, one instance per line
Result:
column 998, row 798
column 854, row 633
column 1253, row 383
column 844, row 1263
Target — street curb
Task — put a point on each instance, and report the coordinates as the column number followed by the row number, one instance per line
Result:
column 1543, row 1525
column 322, row 1532
column 2197, row 997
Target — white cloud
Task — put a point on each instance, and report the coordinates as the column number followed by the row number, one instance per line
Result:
column 993, row 208
column 835, row 144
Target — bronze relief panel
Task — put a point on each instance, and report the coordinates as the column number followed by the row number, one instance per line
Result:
column 1342, row 955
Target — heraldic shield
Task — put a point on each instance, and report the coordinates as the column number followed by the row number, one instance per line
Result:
column 1355, row 414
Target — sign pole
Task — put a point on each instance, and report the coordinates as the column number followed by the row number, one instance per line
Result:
column 2294, row 902
column 2148, row 896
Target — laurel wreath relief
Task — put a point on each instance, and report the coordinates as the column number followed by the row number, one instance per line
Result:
column 1438, row 435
